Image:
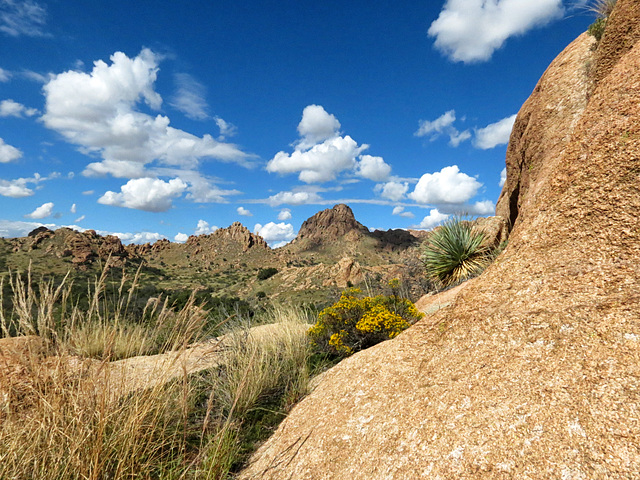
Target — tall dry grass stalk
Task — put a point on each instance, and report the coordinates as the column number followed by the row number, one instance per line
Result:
column 71, row 417
column 259, row 364
column 601, row 8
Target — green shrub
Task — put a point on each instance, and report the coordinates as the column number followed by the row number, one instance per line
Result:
column 355, row 323
column 602, row 9
column 596, row 29
column 265, row 273
column 455, row 252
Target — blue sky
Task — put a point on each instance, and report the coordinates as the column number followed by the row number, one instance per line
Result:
column 164, row 119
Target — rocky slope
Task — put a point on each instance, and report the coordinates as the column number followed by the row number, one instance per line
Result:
column 332, row 250
column 533, row 371
column 81, row 249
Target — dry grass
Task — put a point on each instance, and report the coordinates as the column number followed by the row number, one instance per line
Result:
column 59, row 417
column 601, row 8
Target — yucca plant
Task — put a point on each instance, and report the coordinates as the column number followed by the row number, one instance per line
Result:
column 455, row 252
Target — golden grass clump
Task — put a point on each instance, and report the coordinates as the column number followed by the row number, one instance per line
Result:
column 66, row 415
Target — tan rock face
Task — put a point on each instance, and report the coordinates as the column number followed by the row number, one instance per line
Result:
column 83, row 247
column 346, row 271
column 534, row 370
column 331, row 224
column 544, row 127
column 621, row 34
column 239, row 233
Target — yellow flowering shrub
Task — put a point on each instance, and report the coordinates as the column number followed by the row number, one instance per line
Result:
column 357, row 322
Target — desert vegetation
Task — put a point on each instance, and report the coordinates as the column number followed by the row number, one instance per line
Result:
column 601, row 9
column 357, row 322
column 142, row 371
column 455, row 252
column 68, row 409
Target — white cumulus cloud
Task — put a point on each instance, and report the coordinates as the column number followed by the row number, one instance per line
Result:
column 471, row 30
column 98, row 111
column 43, row 211
column 494, row 134
column 149, row 194
column 285, row 214
column 15, row 188
column 4, row 75
column 201, row 189
column 293, row 198
column 373, row 168
column 321, row 153
column 8, row 153
column 432, row 220
column 394, row 190
column 244, row 212
column 18, row 188
column 181, row 237
column 10, row 108
column 503, row 177
column 203, row 228
column 321, row 163
column 275, row 234
column 80, row 218
column 484, row 207
column 316, row 126
column 73, row 208
column 448, row 186
column 137, row 237
column 443, row 125
column 401, row 213
column 15, row 229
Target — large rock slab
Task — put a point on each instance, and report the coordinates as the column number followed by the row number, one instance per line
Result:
column 533, row 371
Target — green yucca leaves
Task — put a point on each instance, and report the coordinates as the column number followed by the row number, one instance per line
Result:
column 455, row 252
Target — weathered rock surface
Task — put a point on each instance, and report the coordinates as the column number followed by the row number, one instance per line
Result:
column 331, row 224
column 534, row 370
column 495, row 230
column 241, row 234
column 82, row 247
column 544, row 128
column 346, row 271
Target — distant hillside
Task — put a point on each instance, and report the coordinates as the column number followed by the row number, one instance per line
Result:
column 331, row 251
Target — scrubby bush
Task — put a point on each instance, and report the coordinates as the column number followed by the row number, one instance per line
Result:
column 596, row 29
column 356, row 322
column 265, row 273
column 455, row 252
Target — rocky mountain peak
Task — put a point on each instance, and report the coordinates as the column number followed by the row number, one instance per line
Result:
column 331, row 224
column 241, row 234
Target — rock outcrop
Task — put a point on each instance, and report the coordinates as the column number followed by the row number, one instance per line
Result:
column 240, row 234
column 82, row 248
column 331, row 224
column 235, row 235
column 533, row 371
column 544, row 128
